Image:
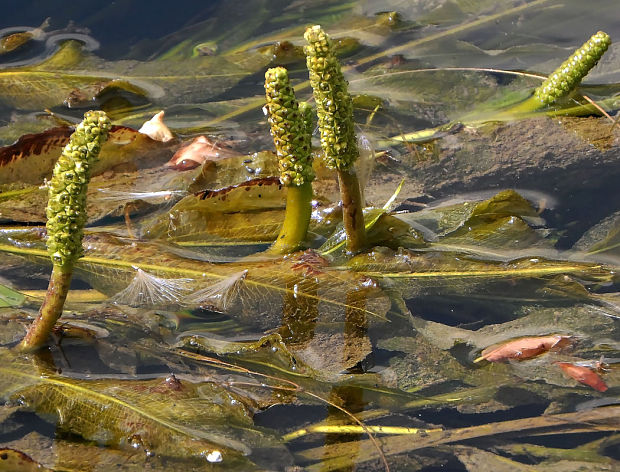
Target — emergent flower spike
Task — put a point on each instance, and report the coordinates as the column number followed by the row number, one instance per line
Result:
column 333, row 102
column 66, row 216
column 566, row 77
column 66, row 208
column 288, row 128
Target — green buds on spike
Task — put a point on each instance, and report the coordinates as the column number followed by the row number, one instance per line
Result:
column 66, row 208
column 289, row 129
column 66, row 216
column 333, row 102
column 568, row 76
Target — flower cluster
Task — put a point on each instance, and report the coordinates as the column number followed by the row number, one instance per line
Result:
column 333, row 102
column 290, row 129
column 66, row 208
column 566, row 77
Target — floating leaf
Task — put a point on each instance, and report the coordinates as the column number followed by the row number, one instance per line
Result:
column 49, row 83
column 32, row 158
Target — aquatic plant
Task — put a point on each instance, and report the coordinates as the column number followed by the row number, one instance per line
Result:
column 569, row 75
column 335, row 113
column 66, row 216
column 291, row 130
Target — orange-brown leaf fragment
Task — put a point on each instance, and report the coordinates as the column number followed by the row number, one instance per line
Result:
column 584, row 375
column 523, row 348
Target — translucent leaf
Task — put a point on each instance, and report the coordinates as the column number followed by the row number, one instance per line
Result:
column 168, row 417
column 149, row 290
column 10, row 297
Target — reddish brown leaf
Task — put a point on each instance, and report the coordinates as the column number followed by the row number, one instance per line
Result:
column 201, row 149
column 523, row 348
column 584, row 375
column 32, row 157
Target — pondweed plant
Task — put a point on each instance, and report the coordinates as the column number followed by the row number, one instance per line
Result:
column 336, row 127
column 291, row 128
column 66, row 216
column 569, row 75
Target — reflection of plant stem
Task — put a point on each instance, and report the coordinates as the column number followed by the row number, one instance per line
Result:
column 335, row 112
column 66, row 216
column 291, row 135
column 568, row 76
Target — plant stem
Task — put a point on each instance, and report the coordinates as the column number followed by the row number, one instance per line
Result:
column 352, row 213
column 66, row 217
column 296, row 219
column 336, row 126
column 50, row 310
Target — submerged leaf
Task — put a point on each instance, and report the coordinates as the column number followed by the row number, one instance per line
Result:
column 149, row 290
column 10, row 297
column 524, row 348
column 220, row 295
column 166, row 417
column 584, row 375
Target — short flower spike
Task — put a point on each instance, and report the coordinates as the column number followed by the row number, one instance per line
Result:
column 288, row 128
column 333, row 102
column 66, row 208
column 66, row 216
column 572, row 71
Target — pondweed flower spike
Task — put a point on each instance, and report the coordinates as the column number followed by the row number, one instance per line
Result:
column 569, row 75
column 66, row 216
column 335, row 113
column 291, row 126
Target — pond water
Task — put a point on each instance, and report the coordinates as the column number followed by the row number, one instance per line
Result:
column 184, row 346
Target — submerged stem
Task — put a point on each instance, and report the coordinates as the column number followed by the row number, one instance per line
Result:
column 296, row 219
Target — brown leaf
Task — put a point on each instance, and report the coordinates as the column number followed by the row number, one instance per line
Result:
column 584, row 375
column 523, row 348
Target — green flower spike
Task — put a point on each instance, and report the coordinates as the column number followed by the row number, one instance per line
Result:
column 572, row 71
column 568, row 76
column 291, row 126
column 66, row 216
column 333, row 102
column 336, row 126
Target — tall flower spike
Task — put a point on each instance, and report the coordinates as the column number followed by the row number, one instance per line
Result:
column 66, row 216
column 291, row 131
column 572, row 71
column 335, row 112
column 66, row 207
column 333, row 102
column 288, row 128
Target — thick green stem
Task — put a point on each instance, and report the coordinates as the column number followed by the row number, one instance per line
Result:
column 50, row 310
column 352, row 210
column 296, row 219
